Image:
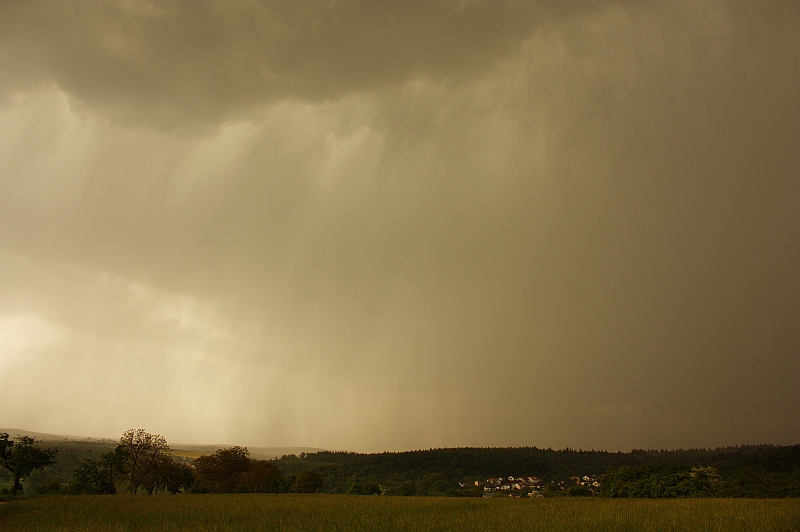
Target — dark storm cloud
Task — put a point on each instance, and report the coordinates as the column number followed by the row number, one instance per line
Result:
column 191, row 61
column 410, row 225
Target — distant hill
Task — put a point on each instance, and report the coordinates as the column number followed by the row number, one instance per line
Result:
column 43, row 436
column 262, row 453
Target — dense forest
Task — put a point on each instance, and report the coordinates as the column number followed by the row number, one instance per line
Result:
column 143, row 463
column 746, row 471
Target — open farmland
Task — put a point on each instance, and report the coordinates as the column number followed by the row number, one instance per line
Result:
column 337, row 512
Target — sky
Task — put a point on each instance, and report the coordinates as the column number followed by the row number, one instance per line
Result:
column 384, row 226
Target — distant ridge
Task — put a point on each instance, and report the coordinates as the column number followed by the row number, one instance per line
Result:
column 43, row 436
column 256, row 452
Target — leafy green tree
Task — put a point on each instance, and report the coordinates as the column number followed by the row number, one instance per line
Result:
column 168, row 475
column 579, row 491
column 308, row 481
column 22, row 457
column 651, row 481
column 366, row 486
column 179, row 476
column 98, row 477
column 144, row 455
column 232, row 471
column 262, row 477
column 101, row 476
column 407, row 488
column 156, row 476
column 87, row 479
column 554, row 490
column 219, row 472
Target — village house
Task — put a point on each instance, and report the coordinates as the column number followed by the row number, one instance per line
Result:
column 532, row 484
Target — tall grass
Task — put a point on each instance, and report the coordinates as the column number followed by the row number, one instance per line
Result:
column 345, row 513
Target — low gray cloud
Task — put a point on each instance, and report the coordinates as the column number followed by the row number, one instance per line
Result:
column 190, row 62
column 402, row 226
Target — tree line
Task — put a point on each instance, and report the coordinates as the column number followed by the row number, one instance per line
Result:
column 768, row 472
column 143, row 463
column 742, row 471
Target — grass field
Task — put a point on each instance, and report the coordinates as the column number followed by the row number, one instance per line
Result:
column 342, row 512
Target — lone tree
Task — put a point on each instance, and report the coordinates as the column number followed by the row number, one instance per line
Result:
column 140, row 461
column 22, row 457
column 144, row 456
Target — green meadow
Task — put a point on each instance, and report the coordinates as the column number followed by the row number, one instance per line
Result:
column 295, row 512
